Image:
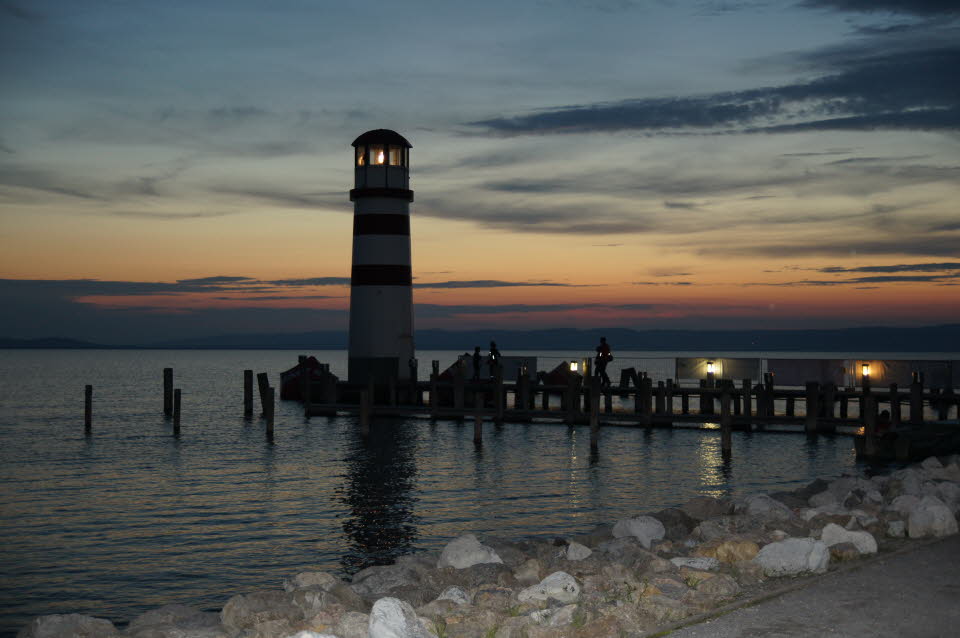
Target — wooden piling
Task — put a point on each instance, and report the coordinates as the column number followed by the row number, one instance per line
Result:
column 829, row 399
column 571, row 398
column 895, row 411
column 594, row 413
column 458, row 390
column 87, row 408
column 668, row 398
column 869, row 425
column 270, row 411
column 684, row 402
column 747, row 407
column 659, row 398
column 916, row 401
column 263, row 384
column 646, row 401
column 392, row 391
column 478, row 418
column 943, row 405
column 499, row 397
column 522, row 395
column 176, row 412
column 791, row 400
column 726, row 424
column 168, row 392
column 248, row 393
column 434, row 395
column 625, row 375
column 812, row 407
column 844, row 409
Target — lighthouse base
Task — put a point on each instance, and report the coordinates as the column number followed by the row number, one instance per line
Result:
column 380, row 369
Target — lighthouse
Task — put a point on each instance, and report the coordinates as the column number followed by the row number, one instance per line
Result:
column 381, row 295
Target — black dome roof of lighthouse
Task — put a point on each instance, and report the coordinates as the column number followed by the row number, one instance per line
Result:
column 382, row 136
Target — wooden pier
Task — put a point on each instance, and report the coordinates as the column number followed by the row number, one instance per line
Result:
column 888, row 422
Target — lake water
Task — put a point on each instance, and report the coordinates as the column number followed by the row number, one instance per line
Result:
column 130, row 518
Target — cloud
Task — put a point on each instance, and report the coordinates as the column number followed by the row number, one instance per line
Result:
column 312, row 281
column 922, row 244
column 219, row 279
column 492, row 283
column 681, row 205
column 911, row 7
column 931, row 267
column 910, row 89
column 877, row 279
column 661, row 283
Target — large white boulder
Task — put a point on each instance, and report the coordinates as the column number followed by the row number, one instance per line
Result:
column 793, row 556
column 646, row 529
column 764, row 507
column 864, row 541
column 558, row 585
column 394, row 618
column 904, row 504
column 72, row 625
column 466, row 551
column 931, row 517
column 576, row 551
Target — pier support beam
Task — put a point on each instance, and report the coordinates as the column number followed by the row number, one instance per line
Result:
column 916, row 400
column 168, row 392
column 812, row 407
column 726, row 425
column 87, row 408
column 478, row 418
column 594, row 413
column 365, row 400
column 248, row 393
column 176, row 412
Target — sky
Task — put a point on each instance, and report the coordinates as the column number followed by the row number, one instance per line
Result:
column 180, row 168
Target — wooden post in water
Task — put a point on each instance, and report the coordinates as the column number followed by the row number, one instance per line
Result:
column 659, row 398
column 812, row 407
column 263, row 384
column 391, row 391
column 87, row 408
column 571, row 398
column 522, row 396
column 895, row 411
column 726, row 424
column 684, row 402
column 668, row 398
column 176, row 412
column 594, row 413
column 499, row 397
column 269, row 411
column 638, row 395
column 168, row 392
column 545, row 399
column 646, row 401
column 869, row 425
column 458, row 390
column 415, row 398
column 916, row 400
column 747, row 407
column 434, row 395
column 478, row 417
column 768, row 394
column 844, row 405
column 625, row 375
column 943, row 404
column 790, row 405
column 829, row 399
column 248, row 393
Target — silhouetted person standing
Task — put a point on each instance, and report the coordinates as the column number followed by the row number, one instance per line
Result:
column 494, row 358
column 477, row 360
column 604, row 356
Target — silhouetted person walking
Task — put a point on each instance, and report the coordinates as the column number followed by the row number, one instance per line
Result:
column 604, row 356
column 494, row 358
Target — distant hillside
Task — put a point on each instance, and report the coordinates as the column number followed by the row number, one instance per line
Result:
column 48, row 342
column 945, row 338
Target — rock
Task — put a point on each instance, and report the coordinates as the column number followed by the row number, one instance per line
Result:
column 896, row 529
column 559, row 585
column 693, row 577
column 748, row 572
column 931, row 463
column 790, row 499
column 677, row 524
column 176, row 620
column 455, row 594
column 834, row 534
column 323, row 580
column 529, row 572
column 374, row 582
column 493, row 597
column 663, row 609
column 721, row 588
column 822, row 499
column 724, row 527
column 844, row 552
column 729, row 551
column 793, row 556
column 814, row 487
column 480, row 574
column 931, row 517
column 466, row 551
column 68, row 626
column 703, row 563
column 353, row 624
column 904, row 504
column 576, row 551
column 310, row 634
column 246, row 611
column 949, row 493
column 702, row 508
column 643, row 528
column 597, row 535
column 765, row 508
column 669, row 587
column 393, row 618
column 556, row 617
column 510, row 553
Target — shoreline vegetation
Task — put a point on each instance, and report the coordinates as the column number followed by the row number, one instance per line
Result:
column 632, row 577
column 932, row 339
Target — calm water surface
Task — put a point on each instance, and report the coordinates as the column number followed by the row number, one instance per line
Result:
column 131, row 518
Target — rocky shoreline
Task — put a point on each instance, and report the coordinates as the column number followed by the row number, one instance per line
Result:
column 628, row 578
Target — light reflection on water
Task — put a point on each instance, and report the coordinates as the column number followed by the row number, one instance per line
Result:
column 131, row 518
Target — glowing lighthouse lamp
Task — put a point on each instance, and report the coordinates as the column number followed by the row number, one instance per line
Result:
column 381, row 296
